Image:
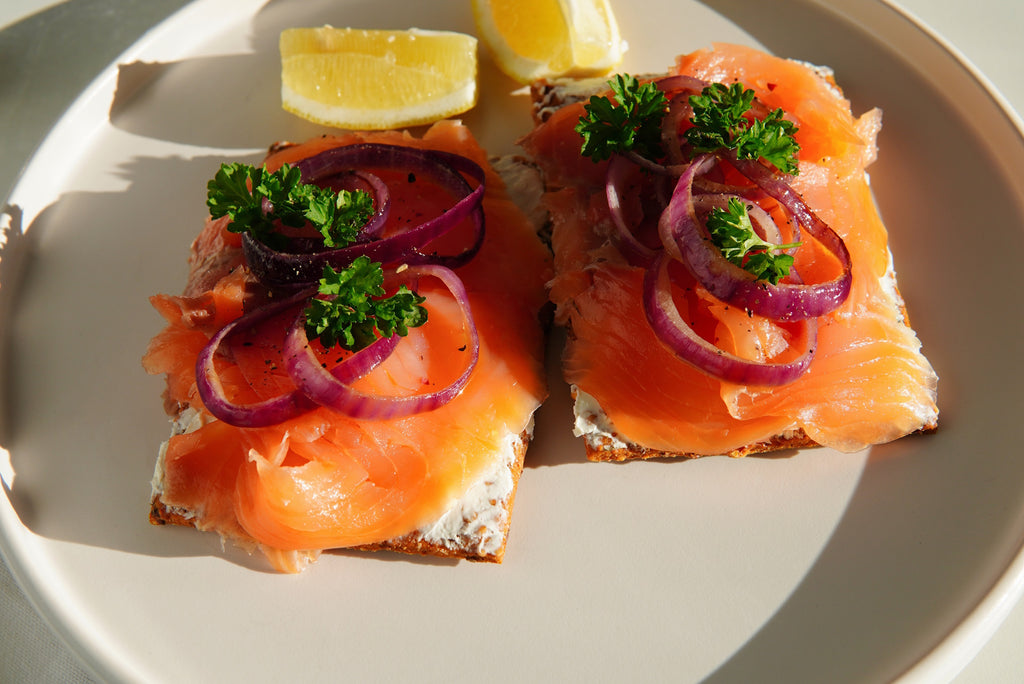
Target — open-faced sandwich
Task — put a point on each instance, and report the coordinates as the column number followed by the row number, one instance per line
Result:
column 721, row 268
column 357, row 355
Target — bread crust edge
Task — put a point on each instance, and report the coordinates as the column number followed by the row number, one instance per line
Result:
column 464, row 547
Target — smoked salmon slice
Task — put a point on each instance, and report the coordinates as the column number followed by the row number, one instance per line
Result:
column 868, row 381
column 323, row 480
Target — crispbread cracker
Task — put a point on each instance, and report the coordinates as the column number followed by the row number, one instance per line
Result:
column 601, row 440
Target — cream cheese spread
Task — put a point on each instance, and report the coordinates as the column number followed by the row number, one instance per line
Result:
column 592, row 424
column 480, row 516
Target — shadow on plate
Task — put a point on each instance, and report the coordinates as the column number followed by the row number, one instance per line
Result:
column 58, row 47
column 79, row 433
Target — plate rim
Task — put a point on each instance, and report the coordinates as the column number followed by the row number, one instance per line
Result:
column 944, row 659
column 951, row 654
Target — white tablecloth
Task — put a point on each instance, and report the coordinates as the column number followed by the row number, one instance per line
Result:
column 50, row 50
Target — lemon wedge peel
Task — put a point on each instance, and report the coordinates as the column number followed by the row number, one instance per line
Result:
column 534, row 39
column 361, row 79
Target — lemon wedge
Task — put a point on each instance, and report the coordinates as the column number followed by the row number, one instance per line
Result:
column 375, row 80
column 532, row 39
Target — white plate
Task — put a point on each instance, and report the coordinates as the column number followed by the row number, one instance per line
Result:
column 813, row 567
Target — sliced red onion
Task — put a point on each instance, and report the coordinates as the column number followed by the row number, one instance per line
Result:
column 680, row 88
column 344, row 180
column 285, row 406
column 327, row 390
column 776, row 187
column 636, row 253
column 680, row 217
column 681, row 82
column 282, row 268
column 681, row 339
column 445, row 168
column 679, row 110
column 211, row 391
column 706, row 186
column 296, row 271
column 653, row 166
column 685, row 239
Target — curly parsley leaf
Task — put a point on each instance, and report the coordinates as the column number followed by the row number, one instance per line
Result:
column 734, row 235
column 633, row 125
column 355, row 313
column 243, row 192
column 339, row 217
column 719, row 122
column 228, row 194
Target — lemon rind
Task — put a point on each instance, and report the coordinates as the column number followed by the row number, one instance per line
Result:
column 451, row 104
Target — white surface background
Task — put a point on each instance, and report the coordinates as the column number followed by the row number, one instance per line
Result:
column 50, row 50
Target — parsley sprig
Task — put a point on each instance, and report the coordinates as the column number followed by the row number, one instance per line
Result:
column 355, row 313
column 733, row 233
column 720, row 122
column 633, row 125
column 239, row 191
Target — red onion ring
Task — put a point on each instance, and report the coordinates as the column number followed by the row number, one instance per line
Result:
column 211, row 391
column 284, row 406
column 680, row 338
column 368, row 182
column 679, row 110
column 283, row 268
column 777, row 188
column 444, row 167
column 681, row 82
column 327, row 390
column 636, row 253
column 685, row 239
column 680, row 87
column 297, row 270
